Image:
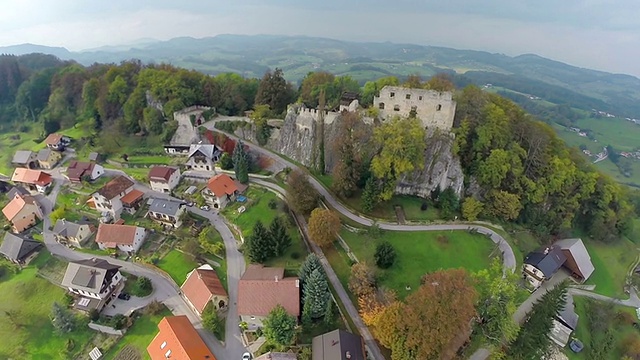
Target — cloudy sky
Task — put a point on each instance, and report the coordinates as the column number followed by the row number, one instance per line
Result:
column 599, row 34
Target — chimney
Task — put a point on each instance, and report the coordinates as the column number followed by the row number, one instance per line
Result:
column 276, row 278
column 546, row 251
column 348, row 355
column 64, row 221
column 297, row 283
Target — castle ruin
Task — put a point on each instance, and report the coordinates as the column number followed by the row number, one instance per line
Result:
column 435, row 109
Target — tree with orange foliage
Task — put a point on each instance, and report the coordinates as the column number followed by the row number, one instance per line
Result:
column 324, row 225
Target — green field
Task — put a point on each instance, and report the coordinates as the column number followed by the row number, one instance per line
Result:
column 419, row 253
column 177, row 265
column 31, row 298
column 611, row 262
column 139, row 336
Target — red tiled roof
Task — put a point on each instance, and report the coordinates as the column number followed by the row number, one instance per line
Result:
column 112, row 234
column 178, row 335
column 259, row 292
column 221, row 185
column 200, row 287
column 53, row 139
column 114, row 187
column 78, row 169
column 13, row 207
column 132, row 197
column 29, row 176
column 161, row 173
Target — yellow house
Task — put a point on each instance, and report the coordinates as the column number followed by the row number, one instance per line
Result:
column 48, row 158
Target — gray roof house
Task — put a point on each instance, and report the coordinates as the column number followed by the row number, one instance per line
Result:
column 167, row 212
column 25, row 158
column 338, row 345
column 72, row 233
column 578, row 259
column 18, row 249
column 94, row 280
column 564, row 323
column 203, row 157
column 548, row 260
column 17, row 190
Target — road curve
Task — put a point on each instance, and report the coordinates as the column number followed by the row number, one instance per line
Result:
column 508, row 257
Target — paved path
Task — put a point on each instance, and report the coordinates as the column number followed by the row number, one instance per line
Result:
column 632, row 301
column 165, row 289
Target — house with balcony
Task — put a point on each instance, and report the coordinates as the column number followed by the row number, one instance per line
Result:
column 57, row 142
column 126, row 238
column 203, row 157
column 221, row 189
column 539, row 266
column 94, row 281
column 167, row 212
column 164, row 178
column 109, row 197
column 74, row 234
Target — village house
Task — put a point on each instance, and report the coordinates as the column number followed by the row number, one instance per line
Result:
column 48, row 159
column 578, row 261
column 222, row 189
column 178, row 339
column 203, row 287
column 164, row 178
column 203, row 157
column 262, row 288
column 108, row 198
column 34, row 180
column 19, row 249
column 72, row 233
column 132, row 201
column 23, row 211
column 565, row 323
column 126, row 238
column 78, row 170
column 338, row 345
column 57, row 142
column 167, row 212
column 94, row 280
column 25, row 158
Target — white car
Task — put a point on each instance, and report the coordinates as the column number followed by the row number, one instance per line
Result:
column 204, row 207
column 246, row 356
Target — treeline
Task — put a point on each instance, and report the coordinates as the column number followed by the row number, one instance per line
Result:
column 527, row 174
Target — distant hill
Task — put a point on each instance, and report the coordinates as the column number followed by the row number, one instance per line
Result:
column 297, row 55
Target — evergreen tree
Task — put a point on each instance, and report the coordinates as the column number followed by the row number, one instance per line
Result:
column 241, row 163
column 316, row 294
column 306, row 314
column 258, row 244
column 533, row 340
column 369, row 195
column 385, row 255
column 328, row 312
column 280, row 239
column 62, row 319
column 311, row 263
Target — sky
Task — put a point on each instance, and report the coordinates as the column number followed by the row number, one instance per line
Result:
column 597, row 34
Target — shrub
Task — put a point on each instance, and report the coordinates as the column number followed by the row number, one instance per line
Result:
column 295, row 255
column 155, row 307
column 118, row 322
column 94, row 314
column 385, row 255
column 424, row 206
column 273, row 204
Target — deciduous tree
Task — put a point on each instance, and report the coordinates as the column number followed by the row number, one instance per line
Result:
column 301, row 195
column 279, row 326
column 440, row 82
column 274, row 91
column 504, row 205
column 324, row 226
column 362, row 279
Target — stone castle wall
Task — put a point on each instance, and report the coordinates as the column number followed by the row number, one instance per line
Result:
column 434, row 109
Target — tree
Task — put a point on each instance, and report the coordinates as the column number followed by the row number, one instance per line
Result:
column 316, row 293
column 504, row 205
column 324, row 226
column 279, row 326
column 413, row 81
column 153, row 120
column 532, row 341
column 435, row 320
column 448, row 202
column 301, row 195
column 62, row 319
column 274, row 91
column 144, row 284
column 497, row 302
column 402, row 145
column 351, row 146
column 260, row 115
column 440, row 82
column 258, row 244
column 370, row 195
column 241, row 163
column 471, row 208
column 226, row 162
column 329, row 312
column 385, row 255
column 372, row 88
column 362, row 279
column 211, row 321
column 279, row 238
column 58, row 214
column 310, row 264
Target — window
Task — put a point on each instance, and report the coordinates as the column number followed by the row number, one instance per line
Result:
column 167, row 354
column 396, row 108
column 439, row 107
column 381, row 106
column 253, row 318
column 420, row 97
column 414, row 108
column 164, row 343
column 408, row 96
column 392, row 94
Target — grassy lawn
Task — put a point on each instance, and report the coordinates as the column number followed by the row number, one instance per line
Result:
column 13, row 141
column 139, row 335
column 611, row 262
column 419, row 253
column 177, row 265
column 132, row 287
column 258, row 209
column 32, row 297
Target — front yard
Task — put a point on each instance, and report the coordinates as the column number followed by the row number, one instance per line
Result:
column 177, row 265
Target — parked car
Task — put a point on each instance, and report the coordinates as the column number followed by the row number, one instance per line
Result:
column 576, row 345
column 124, row 296
column 190, row 204
column 246, row 356
column 204, row 207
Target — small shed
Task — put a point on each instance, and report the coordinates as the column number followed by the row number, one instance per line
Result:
column 94, row 156
column 95, row 354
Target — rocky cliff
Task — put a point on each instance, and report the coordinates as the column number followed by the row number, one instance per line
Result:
column 296, row 140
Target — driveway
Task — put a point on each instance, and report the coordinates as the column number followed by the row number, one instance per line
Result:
column 520, row 315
